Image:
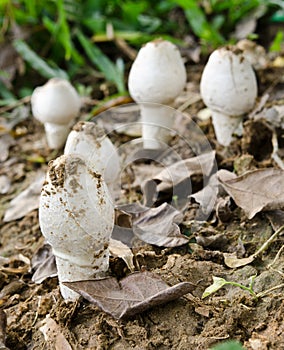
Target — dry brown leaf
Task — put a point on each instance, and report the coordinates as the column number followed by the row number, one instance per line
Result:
column 207, row 196
column 276, row 218
column 43, row 264
column 132, row 295
column 258, row 190
column 158, row 226
column 232, row 261
column 176, row 178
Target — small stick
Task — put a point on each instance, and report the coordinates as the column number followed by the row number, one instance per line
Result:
column 15, row 104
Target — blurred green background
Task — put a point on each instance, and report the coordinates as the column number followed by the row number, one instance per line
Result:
column 95, row 41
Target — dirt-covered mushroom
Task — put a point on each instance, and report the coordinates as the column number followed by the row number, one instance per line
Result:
column 156, row 78
column 229, row 89
column 90, row 141
column 76, row 217
column 55, row 104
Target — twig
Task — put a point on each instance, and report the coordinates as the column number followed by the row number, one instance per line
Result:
column 274, row 154
column 268, row 242
column 124, row 47
column 265, row 292
column 15, row 104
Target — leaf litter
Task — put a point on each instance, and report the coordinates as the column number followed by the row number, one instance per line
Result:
column 132, row 295
column 28, row 308
column 258, row 190
column 157, row 226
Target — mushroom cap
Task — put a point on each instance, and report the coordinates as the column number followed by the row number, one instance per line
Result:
column 89, row 141
column 228, row 83
column 55, row 102
column 158, row 73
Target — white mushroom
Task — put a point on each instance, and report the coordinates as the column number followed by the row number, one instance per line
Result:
column 90, row 142
column 76, row 218
column 229, row 89
column 156, row 78
column 55, row 104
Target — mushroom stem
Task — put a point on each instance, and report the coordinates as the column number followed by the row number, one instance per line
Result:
column 56, row 134
column 226, row 127
column 157, row 121
column 81, row 270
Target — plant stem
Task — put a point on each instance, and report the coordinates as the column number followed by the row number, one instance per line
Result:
column 268, row 242
column 248, row 289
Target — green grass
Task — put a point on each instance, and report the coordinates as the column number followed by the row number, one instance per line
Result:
column 64, row 38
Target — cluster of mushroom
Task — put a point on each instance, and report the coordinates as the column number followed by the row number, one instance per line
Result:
column 228, row 87
column 76, row 212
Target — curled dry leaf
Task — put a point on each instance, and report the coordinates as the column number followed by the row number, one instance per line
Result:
column 211, row 194
column 120, row 250
column 206, row 197
column 22, row 264
column 157, row 226
column 132, row 295
column 258, row 190
column 43, row 264
column 176, row 177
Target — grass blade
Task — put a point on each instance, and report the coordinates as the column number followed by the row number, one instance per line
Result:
column 111, row 71
column 36, row 62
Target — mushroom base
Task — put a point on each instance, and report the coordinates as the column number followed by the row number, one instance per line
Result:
column 157, row 122
column 226, row 127
column 56, row 135
column 71, row 272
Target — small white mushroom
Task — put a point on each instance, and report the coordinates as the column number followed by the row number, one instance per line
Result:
column 55, row 104
column 76, row 217
column 229, row 89
column 89, row 141
column 156, row 78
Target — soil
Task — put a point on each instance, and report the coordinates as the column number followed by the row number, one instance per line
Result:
column 187, row 323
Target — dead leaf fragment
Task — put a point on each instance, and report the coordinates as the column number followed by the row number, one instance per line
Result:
column 5, row 184
column 120, row 250
column 6, row 141
column 159, row 226
column 53, row 335
column 258, row 190
column 276, row 218
column 175, row 178
column 43, row 264
column 26, row 201
column 132, row 295
column 232, row 261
